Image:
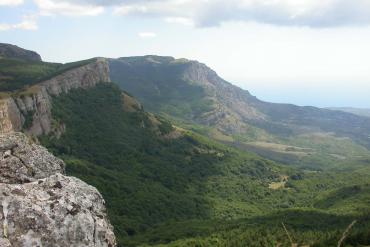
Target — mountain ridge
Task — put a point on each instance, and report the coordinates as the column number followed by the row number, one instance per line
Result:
column 13, row 51
column 191, row 93
column 167, row 183
column 30, row 107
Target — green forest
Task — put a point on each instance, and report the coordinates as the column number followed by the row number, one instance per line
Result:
column 193, row 191
column 16, row 74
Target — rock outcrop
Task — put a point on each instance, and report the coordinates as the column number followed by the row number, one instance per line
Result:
column 191, row 91
column 13, row 51
column 39, row 206
column 207, row 98
column 23, row 161
column 30, row 110
column 233, row 109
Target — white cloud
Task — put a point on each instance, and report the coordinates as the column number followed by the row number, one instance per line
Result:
column 162, row 8
column 126, row 10
column 10, row 2
column 108, row 2
column 313, row 13
column 147, row 35
column 53, row 7
column 28, row 23
column 180, row 20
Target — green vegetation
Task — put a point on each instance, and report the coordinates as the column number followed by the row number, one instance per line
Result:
column 146, row 179
column 211, row 106
column 191, row 191
column 16, row 74
column 28, row 120
column 170, row 187
column 313, row 228
column 160, row 88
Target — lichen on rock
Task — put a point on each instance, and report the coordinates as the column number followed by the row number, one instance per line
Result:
column 22, row 161
column 44, row 207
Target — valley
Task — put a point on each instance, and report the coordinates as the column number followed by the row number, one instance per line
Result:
column 184, row 158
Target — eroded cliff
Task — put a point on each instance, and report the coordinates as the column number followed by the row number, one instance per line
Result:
column 30, row 109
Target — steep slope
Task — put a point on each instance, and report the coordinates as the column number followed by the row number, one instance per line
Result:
column 150, row 172
column 13, row 51
column 191, row 92
column 163, row 184
column 42, row 207
column 29, row 108
column 185, row 89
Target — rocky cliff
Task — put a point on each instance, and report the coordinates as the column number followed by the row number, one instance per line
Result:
column 233, row 108
column 187, row 89
column 40, row 206
column 13, row 51
column 191, row 91
column 30, row 109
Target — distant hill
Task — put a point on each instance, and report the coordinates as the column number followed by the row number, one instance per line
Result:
column 192, row 93
column 357, row 111
column 13, row 51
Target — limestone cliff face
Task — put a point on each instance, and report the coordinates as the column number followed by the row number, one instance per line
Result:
column 30, row 110
column 233, row 108
column 5, row 122
column 40, row 206
column 170, row 80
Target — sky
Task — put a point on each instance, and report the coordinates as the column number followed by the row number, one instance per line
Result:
column 306, row 52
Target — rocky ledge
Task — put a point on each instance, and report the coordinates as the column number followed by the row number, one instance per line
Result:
column 35, row 103
column 40, row 206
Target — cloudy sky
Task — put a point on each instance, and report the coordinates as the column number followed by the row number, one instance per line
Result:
column 307, row 52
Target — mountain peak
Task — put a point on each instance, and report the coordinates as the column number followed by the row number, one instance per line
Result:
column 191, row 70
column 13, row 51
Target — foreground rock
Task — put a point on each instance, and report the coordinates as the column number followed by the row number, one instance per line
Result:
column 22, row 161
column 53, row 209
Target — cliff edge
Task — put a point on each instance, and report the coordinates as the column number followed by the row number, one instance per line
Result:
column 29, row 110
column 40, row 206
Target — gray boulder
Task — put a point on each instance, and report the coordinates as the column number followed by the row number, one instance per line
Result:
column 43, row 207
column 22, row 161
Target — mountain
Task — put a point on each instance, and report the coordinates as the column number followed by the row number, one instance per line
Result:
column 191, row 93
column 149, row 171
column 13, row 51
column 30, row 109
column 165, row 182
column 357, row 111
